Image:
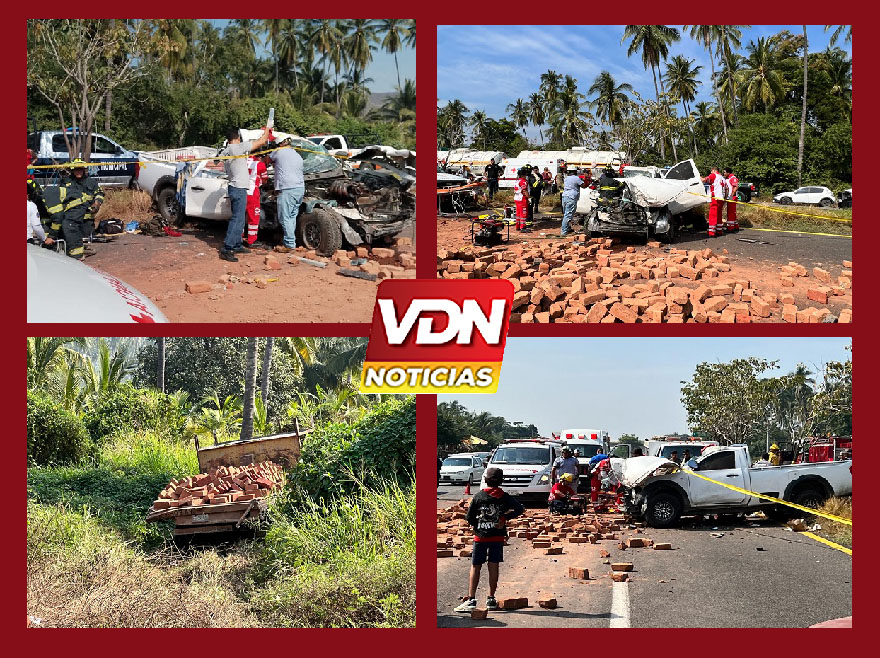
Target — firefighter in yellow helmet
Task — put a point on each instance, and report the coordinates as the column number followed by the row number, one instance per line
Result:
column 73, row 213
column 775, row 456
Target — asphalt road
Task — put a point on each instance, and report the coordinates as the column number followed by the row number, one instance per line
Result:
column 754, row 575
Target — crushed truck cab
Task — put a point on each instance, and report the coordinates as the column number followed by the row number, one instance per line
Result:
column 661, row 492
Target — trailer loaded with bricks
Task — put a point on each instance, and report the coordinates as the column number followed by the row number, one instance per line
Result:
column 236, row 479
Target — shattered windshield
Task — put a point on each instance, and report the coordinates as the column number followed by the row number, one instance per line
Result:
column 316, row 159
column 521, row 456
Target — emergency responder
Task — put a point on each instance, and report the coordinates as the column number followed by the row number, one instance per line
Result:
column 237, row 189
column 596, row 465
column 775, row 456
column 535, row 186
column 36, row 234
column 565, row 464
column 79, row 198
column 493, row 173
column 561, row 493
column 521, row 199
column 35, row 194
column 570, row 194
column 609, row 187
column 716, row 204
column 733, row 185
column 258, row 176
column 561, row 173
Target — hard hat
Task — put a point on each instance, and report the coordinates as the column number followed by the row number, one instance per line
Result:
column 78, row 163
column 774, row 447
column 567, row 477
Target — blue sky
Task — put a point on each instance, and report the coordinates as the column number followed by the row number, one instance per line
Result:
column 489, row 66
column 381, row 69
column 624, row 385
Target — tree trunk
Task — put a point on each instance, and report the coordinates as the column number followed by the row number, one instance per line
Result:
column 250, row 384
column 730, row 84
column 663, row 136
column 666, row 109
column 803, row 112
column 717, row 95
column 266, row 371
column 398, row 72
column 160, row 364
column 108, row 102
column 687, row 116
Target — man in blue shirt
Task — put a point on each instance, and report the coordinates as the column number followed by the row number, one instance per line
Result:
column 290, row 186
column 571, row 192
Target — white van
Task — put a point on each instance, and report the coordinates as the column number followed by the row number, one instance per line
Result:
column 526, row 465
column 462, row 467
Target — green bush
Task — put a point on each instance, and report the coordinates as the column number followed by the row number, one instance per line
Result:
column 54, row 435
column 129, row 409
column 341, row 457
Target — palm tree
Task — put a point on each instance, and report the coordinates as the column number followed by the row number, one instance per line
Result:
column 762, row 81
column 248, row 31
column 360, row 43
column 610, row 98
column 729, row 40
column 219, row 418
column 395, row 31
column 519, row 113
column 803, row 111
column 730, row 76
column 339, row 57
column 323, row 40
column 653, row 41
column 840, row 72
column 451, row 120
column 549, row 90
column 265, row 371
column 682, row 80
column 109, row 368
column 275, row 28
column 46, row 355
column 706, row 120
column 709, row 35
column 289, row 47
column 478, row 123
column 250, row 385
column 537, row 116
column 401, row 107
column 160, row 363
column 838, row 30
column 409, row 40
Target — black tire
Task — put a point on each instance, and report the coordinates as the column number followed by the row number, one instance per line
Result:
column 166, row 202
column 826, row 203
column 319, row 230
column 670, row 235
column 785, row 201
column 809, row 497
column 663, row 510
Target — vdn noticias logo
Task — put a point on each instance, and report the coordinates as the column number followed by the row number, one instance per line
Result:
column 437, row 336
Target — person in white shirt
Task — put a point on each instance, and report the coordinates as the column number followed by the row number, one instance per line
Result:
column 36, row 234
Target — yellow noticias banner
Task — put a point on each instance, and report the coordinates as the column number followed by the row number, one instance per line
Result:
column 427, row 377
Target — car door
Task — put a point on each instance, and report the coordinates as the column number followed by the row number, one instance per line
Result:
column 801, row 195
column 477, row 469
column 721, row 467
column 693, row 193
column 207, row 194
column 106, row 150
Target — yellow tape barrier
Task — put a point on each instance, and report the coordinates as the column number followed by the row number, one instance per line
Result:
column 776, row 230
column 784, row 212
column 146, row 163
column 808, row 510
column 822, row 540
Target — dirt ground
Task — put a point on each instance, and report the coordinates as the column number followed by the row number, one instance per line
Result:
column 754, row 255
column 247, row 291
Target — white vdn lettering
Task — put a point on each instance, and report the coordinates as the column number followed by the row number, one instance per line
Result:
column 461, row 321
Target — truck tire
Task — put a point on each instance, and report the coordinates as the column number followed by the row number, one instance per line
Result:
column 809, row 497
column 166, row 202
column 670, row 235
column 663, row 510
column 319, row 230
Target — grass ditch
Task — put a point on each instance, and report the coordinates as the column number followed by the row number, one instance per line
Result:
column 839, row 533
column 92, row 561
column 127, row 205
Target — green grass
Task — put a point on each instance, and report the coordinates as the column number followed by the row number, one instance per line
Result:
column 93, row 561
column 836, row 532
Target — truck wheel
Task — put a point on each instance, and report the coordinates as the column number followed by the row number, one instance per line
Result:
column 663, row 511
column 670, row 235
column 319, row 230
column 809, row 498
column 168, row 207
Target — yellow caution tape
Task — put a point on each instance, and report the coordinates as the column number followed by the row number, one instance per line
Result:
column 146, row 163
column 784, row 212
column 828, row 235
column 808, row 510
column 822, row 540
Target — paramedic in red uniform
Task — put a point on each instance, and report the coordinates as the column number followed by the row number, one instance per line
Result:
column 258, row 176
column 733, row 184
column 716, row 207
column 521, row 198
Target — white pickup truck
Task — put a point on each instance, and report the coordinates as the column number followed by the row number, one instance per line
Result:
column 660, row 491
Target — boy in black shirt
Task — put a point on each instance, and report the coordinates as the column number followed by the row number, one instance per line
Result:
column 489, row 511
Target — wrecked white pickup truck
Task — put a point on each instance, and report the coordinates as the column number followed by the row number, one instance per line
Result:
column 660, row 491
column 369, row 204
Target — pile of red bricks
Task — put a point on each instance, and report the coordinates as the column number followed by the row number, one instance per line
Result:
column 567, row 281
column 227, row 484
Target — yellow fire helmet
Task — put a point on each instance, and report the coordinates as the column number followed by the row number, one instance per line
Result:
column 78, row 163
column 567, row 477
column 774, row 447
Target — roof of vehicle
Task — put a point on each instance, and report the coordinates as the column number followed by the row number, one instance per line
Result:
column 62, row 289
column 464, row 454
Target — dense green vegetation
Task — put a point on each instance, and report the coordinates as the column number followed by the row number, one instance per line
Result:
column 456, row 424
column 754, row 124
column 339, row 546
column 179, row 82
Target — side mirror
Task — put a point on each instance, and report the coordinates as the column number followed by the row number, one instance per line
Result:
column 692, row 464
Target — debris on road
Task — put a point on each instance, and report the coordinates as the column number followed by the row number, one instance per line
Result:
column 513, row 604
column 549, row 604
column 600, row 282
column 621, row 566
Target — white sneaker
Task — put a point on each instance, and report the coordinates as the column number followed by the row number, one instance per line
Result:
column 467, row 606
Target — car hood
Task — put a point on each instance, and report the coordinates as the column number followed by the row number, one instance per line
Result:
column 61, row 289
column 635, row 470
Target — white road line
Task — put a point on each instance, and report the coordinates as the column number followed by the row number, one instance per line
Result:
column 619, row 605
